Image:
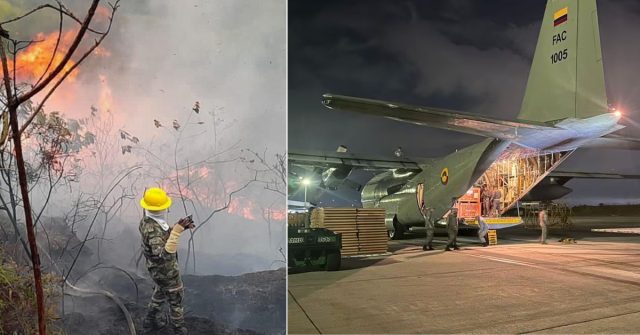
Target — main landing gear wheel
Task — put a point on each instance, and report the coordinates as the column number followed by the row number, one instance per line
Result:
column 333, row 261
column 398, row 231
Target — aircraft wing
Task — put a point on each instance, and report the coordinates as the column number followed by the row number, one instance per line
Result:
column 334, row 168
column 346, row 159
column 435, row 117
column 614, row 141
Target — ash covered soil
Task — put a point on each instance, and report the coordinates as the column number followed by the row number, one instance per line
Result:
column 252, row 303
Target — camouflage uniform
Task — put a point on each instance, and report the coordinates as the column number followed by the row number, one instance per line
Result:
column 452, row 231
column 163, row 269
column 483, row 229
column 428, row 225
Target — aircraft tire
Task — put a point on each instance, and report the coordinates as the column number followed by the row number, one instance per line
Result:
column 398, row 231
column 333, row 261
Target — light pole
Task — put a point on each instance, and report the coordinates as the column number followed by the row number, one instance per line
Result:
column 306, row 183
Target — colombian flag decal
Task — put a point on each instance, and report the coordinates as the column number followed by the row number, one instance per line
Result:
column 560, row 16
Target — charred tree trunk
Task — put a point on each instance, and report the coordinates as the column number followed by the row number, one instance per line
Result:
column 12, row 107
column 14, row 100
column 31, row 234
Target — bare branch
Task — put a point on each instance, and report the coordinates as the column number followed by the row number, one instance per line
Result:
column 131, row 170
column 58, row 69
column 62, row 10
column 5, row 73
column 28, row 13
column 226, row 205
column 55, row 49
column 72, row 48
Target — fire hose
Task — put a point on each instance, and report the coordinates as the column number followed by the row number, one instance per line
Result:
column 86, row 292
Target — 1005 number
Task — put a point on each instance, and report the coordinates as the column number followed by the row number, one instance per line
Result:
column 559, row 56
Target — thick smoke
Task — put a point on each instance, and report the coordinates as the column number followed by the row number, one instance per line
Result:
column 161, row 58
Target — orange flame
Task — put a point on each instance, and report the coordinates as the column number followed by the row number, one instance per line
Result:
column 205, row 188
column 275, row 214
column 32, row 62
column 242, row 207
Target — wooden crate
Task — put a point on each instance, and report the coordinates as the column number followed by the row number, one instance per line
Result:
column 363, row 229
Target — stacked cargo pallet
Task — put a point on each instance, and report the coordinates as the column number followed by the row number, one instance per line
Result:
column 363, row 230
column 372, row 233
column 342, row 221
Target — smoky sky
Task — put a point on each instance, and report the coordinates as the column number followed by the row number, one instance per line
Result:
column 471, row 56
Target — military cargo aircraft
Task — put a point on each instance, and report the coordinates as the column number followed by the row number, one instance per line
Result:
column 565, row 107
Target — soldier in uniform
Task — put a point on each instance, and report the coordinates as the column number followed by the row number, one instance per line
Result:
column 483, row 229
column 452, row 229
column 485, row 196
column 428, row 224
column 497, row 202
column 159, row 246
column 542, row 218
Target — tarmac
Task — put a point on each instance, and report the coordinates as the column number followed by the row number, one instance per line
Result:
column 517, row 286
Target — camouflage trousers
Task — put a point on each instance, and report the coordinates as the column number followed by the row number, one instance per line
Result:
column 452, row 242
column 168, row 288
column 174, row 297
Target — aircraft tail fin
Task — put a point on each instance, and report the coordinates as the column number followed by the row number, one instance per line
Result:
column 566, row 79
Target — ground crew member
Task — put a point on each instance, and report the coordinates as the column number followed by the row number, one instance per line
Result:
column 428, row 225
column 159, row 246
column 543, row 220
column 483, row 229
column 497, row 202
column 485, row 196
column 452, row 229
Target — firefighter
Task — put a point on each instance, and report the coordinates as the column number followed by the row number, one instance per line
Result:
column 428, row 225
column 452, row 230
column 543, row 220
column 159, row 246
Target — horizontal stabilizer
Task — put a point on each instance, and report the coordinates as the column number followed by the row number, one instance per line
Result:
column 592, row 175
column 435, row 117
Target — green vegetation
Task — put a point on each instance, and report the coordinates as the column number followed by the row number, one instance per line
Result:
column 18, row 300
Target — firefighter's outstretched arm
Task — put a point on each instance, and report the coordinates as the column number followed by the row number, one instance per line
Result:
column 172, row 243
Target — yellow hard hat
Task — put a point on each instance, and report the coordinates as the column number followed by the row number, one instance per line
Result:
column 155, row 199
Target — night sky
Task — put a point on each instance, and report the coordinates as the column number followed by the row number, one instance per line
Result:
column 467, row 55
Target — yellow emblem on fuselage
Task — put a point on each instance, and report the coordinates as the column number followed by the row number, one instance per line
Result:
column 444, row 176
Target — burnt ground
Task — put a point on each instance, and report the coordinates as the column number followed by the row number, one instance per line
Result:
column 108, row 321
column 252, row 303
